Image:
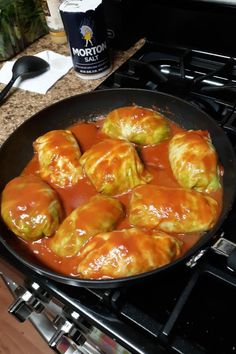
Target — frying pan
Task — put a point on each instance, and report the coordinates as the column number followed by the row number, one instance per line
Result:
column 17, row 151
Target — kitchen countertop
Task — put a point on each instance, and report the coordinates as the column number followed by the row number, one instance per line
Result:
column 21, row 104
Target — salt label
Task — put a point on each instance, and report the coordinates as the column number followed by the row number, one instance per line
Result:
column 86, row 32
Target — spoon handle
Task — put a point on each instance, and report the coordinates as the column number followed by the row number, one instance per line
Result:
column 4, row 92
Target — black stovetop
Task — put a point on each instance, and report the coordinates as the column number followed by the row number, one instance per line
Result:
column 189, row 310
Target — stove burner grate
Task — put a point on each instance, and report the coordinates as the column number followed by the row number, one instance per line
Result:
column 206, row 80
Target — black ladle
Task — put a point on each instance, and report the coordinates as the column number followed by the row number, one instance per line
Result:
column 25, row 67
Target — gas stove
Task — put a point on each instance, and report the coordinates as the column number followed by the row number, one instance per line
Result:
column 185, row 311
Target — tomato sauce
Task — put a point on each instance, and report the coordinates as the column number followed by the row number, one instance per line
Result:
column 155, row 159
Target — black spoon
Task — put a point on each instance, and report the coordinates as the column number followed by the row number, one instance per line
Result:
column 25, row 67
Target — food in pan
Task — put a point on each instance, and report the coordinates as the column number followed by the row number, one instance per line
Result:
column 172, row 209
column 136, row 124
column 139, row 197
column 193, row 161
column 100, row 214
column 30, row 208
column 114, row 167
column 58, row 156
column 126, row 252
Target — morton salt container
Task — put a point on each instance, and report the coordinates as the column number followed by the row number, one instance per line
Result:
column 86, row 32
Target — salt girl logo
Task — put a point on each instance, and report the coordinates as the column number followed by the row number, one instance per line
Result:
column 90, row 54
column 87, row 33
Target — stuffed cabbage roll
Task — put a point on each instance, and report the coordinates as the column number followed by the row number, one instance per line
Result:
column 127, row 252
column 30, row 208
column 136, row 124
column 58, row 155
column 172, row 209
column 100, row 214
column 193, row 160
column 113, row 166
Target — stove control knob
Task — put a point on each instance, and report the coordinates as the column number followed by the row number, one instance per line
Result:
column 20, row 310
column 40, row 293
column 62, row 327
column 66, row 345
column 76, row 318
column 24, row 305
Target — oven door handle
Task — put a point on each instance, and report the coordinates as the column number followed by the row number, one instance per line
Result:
column 226, row 248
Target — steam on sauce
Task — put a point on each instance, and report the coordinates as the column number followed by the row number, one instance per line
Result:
column 156, row 161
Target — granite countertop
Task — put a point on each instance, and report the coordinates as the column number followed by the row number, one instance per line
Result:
column 21, row 104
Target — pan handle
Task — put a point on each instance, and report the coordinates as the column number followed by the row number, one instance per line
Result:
column 226, row 248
